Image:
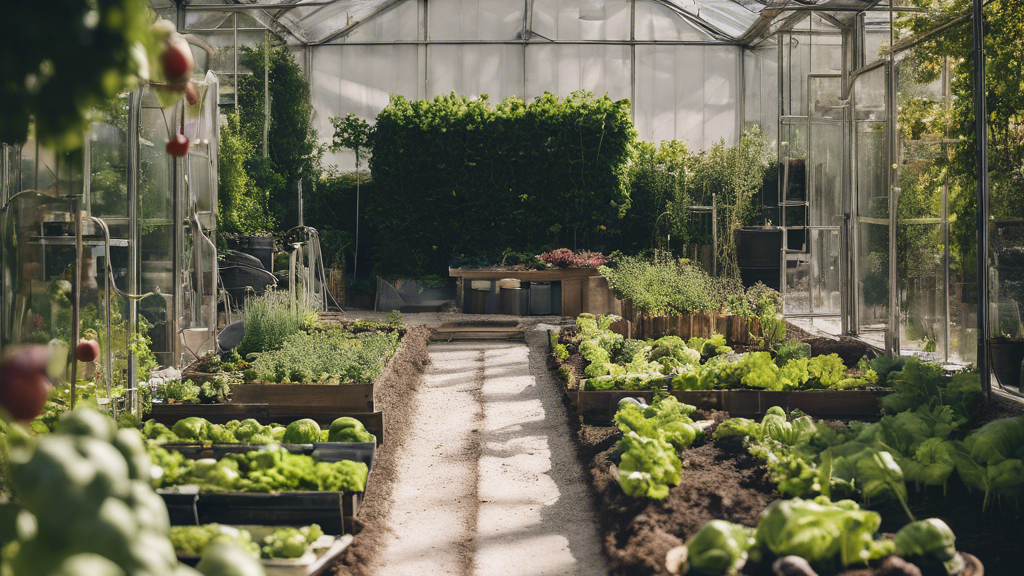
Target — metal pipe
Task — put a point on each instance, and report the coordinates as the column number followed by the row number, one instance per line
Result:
column 245, row 7
column 134, row 120
column 981, row 167
column 266, row 91
column 516, row 42
column 108, row 280
column 76, row 298
column 235, row 53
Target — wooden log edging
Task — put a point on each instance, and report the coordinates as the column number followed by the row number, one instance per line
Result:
column 600, row 405
column 641, row 326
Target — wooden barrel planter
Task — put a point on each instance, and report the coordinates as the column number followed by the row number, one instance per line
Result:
column 641, row 326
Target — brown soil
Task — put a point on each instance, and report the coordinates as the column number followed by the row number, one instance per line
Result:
column 850, row 350
column 403, row 374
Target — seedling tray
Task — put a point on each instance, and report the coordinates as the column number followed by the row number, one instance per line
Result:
column 319, row 556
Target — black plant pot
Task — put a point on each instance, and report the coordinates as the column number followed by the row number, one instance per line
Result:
column 759, row 255
column 262, row 247
column 1006, row 357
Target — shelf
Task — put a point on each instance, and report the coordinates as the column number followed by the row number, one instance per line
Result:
column 70, row 241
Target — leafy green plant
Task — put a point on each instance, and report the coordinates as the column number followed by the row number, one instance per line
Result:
column 293, row 149
column 649, row 466
column 242, row 206
column 666, row 419
column 476, row 178
column 331, row 355
column 269, row 319
column 355, row 134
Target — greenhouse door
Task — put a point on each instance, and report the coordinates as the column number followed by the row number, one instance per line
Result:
column 811, row 158
column 872, row 203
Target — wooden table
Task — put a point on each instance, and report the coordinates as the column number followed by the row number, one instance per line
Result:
column 583, row 289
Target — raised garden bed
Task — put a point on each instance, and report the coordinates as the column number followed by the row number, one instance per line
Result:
column 319, row 556
column 342, row 397
column 600, row 405
column 168, row 414
column 720, row 480
column 335, row 512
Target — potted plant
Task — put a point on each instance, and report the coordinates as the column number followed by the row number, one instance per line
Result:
column 1006, row 351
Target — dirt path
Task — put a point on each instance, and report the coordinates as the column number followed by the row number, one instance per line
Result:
column 487, row 481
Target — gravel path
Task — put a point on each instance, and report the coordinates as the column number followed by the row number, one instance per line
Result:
column 488, row 482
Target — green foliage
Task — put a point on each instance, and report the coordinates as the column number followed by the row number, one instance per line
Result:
column 649, row 466
column 352, row 133
column 330, row 355
column 655, row 174
column 718, row 548
column 736, row 175
column 269, row 319
column 273, row 470
column 790, row 350
column 663, row 285
column 242, row 207
column 193, row 540
column 667, row 419
column 58, row 64
column 928, row 542
column 347, row 429
column 289, row 542
column 181, row 392
column 919, row 383
column 827, row 534
column 85, row 491
column 454, row 175
column 304, row 431
column 294, row 152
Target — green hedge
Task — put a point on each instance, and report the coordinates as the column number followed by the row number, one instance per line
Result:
column 453, row 175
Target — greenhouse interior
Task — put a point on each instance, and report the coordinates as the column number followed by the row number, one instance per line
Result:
column 529, row 287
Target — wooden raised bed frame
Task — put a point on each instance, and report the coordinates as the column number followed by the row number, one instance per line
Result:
column 600, row 405
column 641, row 326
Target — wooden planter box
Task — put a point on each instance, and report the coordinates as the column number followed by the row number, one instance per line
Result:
column 641, row 326
column 600, row 406
column 169, row 414
column 335, row 512
column 340, row 397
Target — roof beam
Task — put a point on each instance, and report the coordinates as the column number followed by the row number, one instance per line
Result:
column 345, row 30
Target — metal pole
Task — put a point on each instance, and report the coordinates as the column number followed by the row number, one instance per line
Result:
column 134, row 119
column 355, row 259
column 300, row 203
column 266, row 91
column 981, row 166
column 714, row 231
column 76, row 302
column 234, row 29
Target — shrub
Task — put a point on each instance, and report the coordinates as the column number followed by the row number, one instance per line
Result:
column 565, row 258
column 662, row 285
column 455, row 175
column 269, row 320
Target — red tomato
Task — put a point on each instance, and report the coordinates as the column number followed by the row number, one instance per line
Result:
column 178, row 146
column 87, row 351
column 178, row 61
column 23, row 381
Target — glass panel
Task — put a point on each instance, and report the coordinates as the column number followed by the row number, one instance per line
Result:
column 475, row 70
column 581, row 19
column 871, row 205
column 475, row 20
column 657, row 22
column 157, row 230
